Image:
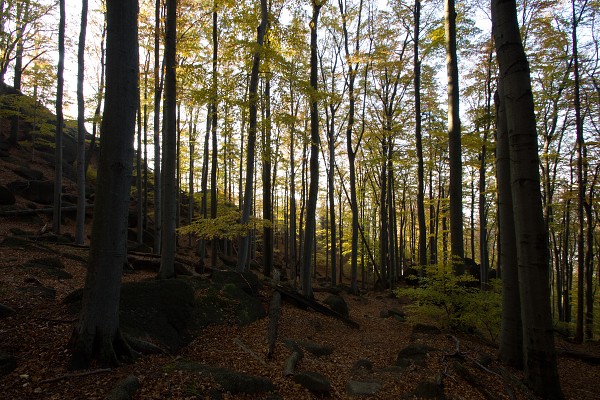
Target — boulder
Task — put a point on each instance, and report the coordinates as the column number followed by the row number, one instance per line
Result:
column 413, row 354
column 8, row 363
column 7, row 198
column 249, row 308
column 429, row 390
column 41, row 192
column 363, row 365
column 247, row 281
column 125, row 389
column 316, row 349
column 337, row 304
column 314, row 381
column 358, row 388
column 5, row 311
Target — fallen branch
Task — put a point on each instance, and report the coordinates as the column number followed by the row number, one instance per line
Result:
column 76, row 374
column 249, row 351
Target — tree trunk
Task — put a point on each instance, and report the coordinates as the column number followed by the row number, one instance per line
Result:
column 454, row 142
column 58, row 152
column 80, row 219
column 532, row 241
column 315, row 139
column 418, row 141
column 251, row 145
column 97, row 335
column 169, row 181
column 157, row 158
column 214, row 243
column 511, row 333
column 266, row 177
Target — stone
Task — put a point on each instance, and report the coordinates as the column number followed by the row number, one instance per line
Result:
column 8, row 364
column 314, row 381
column 337, row 304
column 358, row 388
column 7, row 198
column 5, row 311
column 429, row 390
column 363, row 364
column 125, row 389
column 316, row 349
column 413, row 353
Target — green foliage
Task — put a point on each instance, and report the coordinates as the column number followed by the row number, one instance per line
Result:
column 451, row 302
column 226, row 226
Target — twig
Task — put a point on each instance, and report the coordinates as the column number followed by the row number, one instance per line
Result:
column 249, row 351
column 76, row 374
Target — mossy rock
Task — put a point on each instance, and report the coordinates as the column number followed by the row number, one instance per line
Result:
column 249, row 308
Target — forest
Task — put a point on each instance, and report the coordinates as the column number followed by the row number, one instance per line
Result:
column 409, row 172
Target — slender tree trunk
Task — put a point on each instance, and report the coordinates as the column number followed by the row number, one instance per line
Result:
column 532, row 239
column 56, row 220
column 101, row 88
column 97, row 335
column 419, row 145
column 252, row 122
column 157, row 156
column 315, row 139
column 214, row 243
column 80, row 219
column 169, row 181
column 454, row 142
column 266, row 177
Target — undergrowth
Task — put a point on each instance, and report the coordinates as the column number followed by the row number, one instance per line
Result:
column 454, row 303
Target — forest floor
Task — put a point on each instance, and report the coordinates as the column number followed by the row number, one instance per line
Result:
column 454, row 366
column 37, row 335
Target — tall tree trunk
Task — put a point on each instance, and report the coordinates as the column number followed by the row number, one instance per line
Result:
column 169, row 181
column 80, row 219
column 454, row 142
column 511, row 333
column 96, row 118
column 157, row 96
column 266, row 177
column 419, row 144
column 315, row 139
column 214, row 243
column 58, row 151
column 532, row 239
column 97, row 335
column 251, row 145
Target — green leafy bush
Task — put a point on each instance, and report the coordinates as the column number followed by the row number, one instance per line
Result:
column 453, row 303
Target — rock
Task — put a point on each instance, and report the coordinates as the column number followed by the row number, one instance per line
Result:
column 125, row 389
column 363, row 364
column 8, row 364
column 231, row 381
column 426, row 329
column 413, row 353
column 7, row 198
column 249, row 309
column 358, row 388
column 5, row 311
column 429, row 390
column 314, row 381
column 39, row 291
column 337, row 304
column 29, row 174
column 160, row 309
column 247, row 281
column 316, row 349
column 41, row 192
column 51, row 266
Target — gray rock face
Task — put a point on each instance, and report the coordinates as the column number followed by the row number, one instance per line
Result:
column 357, row 388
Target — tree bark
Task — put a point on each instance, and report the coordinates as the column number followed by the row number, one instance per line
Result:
column 532, row 241
column 80, row 219
column 251, row 144
column 454, row 142
column 97, row 335
column 56, row 217
column 169, row 181
column 511, row 332
column 157, row 157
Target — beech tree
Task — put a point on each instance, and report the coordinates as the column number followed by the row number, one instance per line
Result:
column 531, row 236
column 58, row 151
column 97, row 335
